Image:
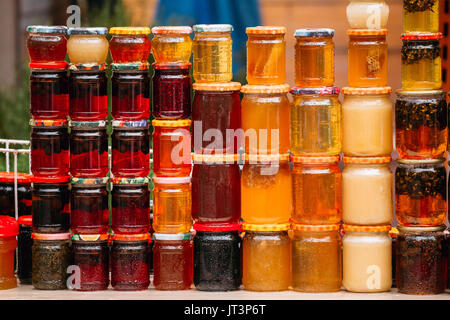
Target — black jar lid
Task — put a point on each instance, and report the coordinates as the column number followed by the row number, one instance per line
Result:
column 314, row 32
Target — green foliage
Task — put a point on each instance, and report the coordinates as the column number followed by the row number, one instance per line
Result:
column 112, row 14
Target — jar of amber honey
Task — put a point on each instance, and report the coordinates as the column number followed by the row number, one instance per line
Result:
column 422, row 16
column 9, row 229
column 47, row 46
column 87, row 46
column 130, row 44
column 171, row 44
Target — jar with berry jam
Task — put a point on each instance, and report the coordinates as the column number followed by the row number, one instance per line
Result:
column 130, row 44
column 47, row 45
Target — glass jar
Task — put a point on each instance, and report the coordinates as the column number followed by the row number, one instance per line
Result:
column 130, row 148
column 7, row 201
column 24, row 245
column 9, row 229
column 171, row 148
column 171, row 44
column 171, row 91
column 394, row 236
column 265, row 119
column 212, row 49
column 421, row 260
column 266, row 55
column 173, row 261
column 367, row 14
column 49, row 148
column 88, row 149
column 422, row 16
column 129, row 262
column 420, row 192
column 172, row 205
column 316, row 258
column 216, row 189
column 216, row 116
column 266, row 190
column 314, row 57
column 130, row 44
column 421, row 124
column 367, row 58
column 51, row 257
column 51, row 204
column 266, row 257
column 421, row 61
column 47, row 44
column 87, row 46
column 89, row 210
column 367, row 265
column 367, row 122
column 315, row 122
column 130, row 205
column 217, row 257
column 367, row 183
column 91, row 255
column 316, row 190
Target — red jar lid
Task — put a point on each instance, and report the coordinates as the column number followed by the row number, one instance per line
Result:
column 172, row 66
column 51, row 179
column 25, row 220
column 421, row 36
column 217, row 227
column 48, row 65
column 8, row 177
column 8, row 227
column 50, row 236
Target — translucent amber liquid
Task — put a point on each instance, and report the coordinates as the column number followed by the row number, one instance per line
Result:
column 7, row 251
column 424, row 74
column 423, row 21
column 171, row 48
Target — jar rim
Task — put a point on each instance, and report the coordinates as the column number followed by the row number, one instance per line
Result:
column 416, row 35
column 89, row 181
column 266, row 30
column 421, row 161
column 367, row 160
column 171, row 180
column 47, row 29
column 213, row 28
column 419, row 92
column 130, row 181
column 129, row 30
column 44, row 66
column 217, row 86
column 325, row 227
column 90, row 237
column 315, row 160
column 88, row 31
column 50, row 236
column 51, row 180
column 421, row 229
column 217, row 227
column 278, row 88
column 130, row 67
column 48, row 123
column 367, row 32
column 87, row 124
column 314, row 32
column 266, row 227
column 171, row 30
column 366, row 91
column 172, row 237
column 369, row 228
column 129, row 124
column 334, row 90
column 8, row 177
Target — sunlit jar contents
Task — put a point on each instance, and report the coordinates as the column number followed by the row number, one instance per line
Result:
column 266, row 257
column 421, row 124
column 51, row 256
column 265, row 119
column 422, row 16
column 314, row 57
column 420, row 192
column 9, row 229
column 421, row 61
column 266, row 189
column 216, row 189
column 367, row 191
column 130, row 148
column 87, row 46
column 88, row 149
column 171, row 148
column 171, row 91
column 129, row 262
column 368, row 14
column 130, row 44
column 172, row 205
column 7, row 201
column 367, row 264
column 47, row 46
column 51, row 204
column 91, row 255
column 367, row 58
column 216, row 116
column 316, row 258
column 130, row 210
column 212, row 50
column 49, row 148
column 171, row 44
column 217, row 257
column 315, row 121
column 172, row 261
column 316, row 190
column 89, row 211
column 367, row 122
column 266, row 55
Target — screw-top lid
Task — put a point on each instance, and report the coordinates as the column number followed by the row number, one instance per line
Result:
column 367, row 32
column 217, row 86
column 50, row 236
column 43, row 66
column 213, row 28
column 321, row 227
column 172, row 66
column 136, row 180
column 313, row 160
column 402, row 229
column 171, row 180
column 217, row 227
column 8, row 177
column 172, row 30
column 172, row 237
column 401, row 92
column 314, row 32
column 266, row 227
column 89, row 181
column 215, row 158
column 129, row 124
column 171, row 123
column 87, row 124
column 131, row 237
column 355, row 228
column 421, row 36
column 8, row 227
column 48, row 123
column 88, row 31
column 419, row 162
column 266, row 157
column 47, row 29
column 315, row 91
column 364, row 91
column 60, row 179
column 85, row 67
column 366, row 160
column 25, row 220
column 91, row 237
column 130, row 67
column 266, row 30
column 130, row 30
column 279, row 88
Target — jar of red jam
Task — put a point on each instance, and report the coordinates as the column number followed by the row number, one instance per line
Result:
column 171, row 91
column 171, row 148
column 91, row 256
column 7, row 200
column 49, row 148
column 88, row 149
column 172, row 261
column 130, row 149
column 129, row 262
column 24, row 245
column 129, row 44
column 216, row 116
column 9, row 229
column 89, row 210
column 47, row 45
column 130, row 205
column 216, row 189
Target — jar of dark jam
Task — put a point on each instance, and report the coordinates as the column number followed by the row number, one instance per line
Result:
column 89, row 210
column 88, row 149
column 49, row 148
column 171, row 91
column 172, row 261
column 394, row 236
column 421, row 260
column 51, row 204
column 130, row 149
column 420, row 192
column 130, row 92
column 51, row 256
column 91, row 255
column 7, row 203
column 217, row 257
column 47, row 44
column 130, row 205
column 129, row 262
column 24, row 245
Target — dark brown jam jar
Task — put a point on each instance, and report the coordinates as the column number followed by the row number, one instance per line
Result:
column 7, row 202
column 24, row 247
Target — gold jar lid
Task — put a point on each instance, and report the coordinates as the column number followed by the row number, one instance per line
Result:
column 279, row 88
column 217, row 86
column 266, row 30
column 366, row 160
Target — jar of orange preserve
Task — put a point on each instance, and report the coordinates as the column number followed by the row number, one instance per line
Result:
column 9, row 229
